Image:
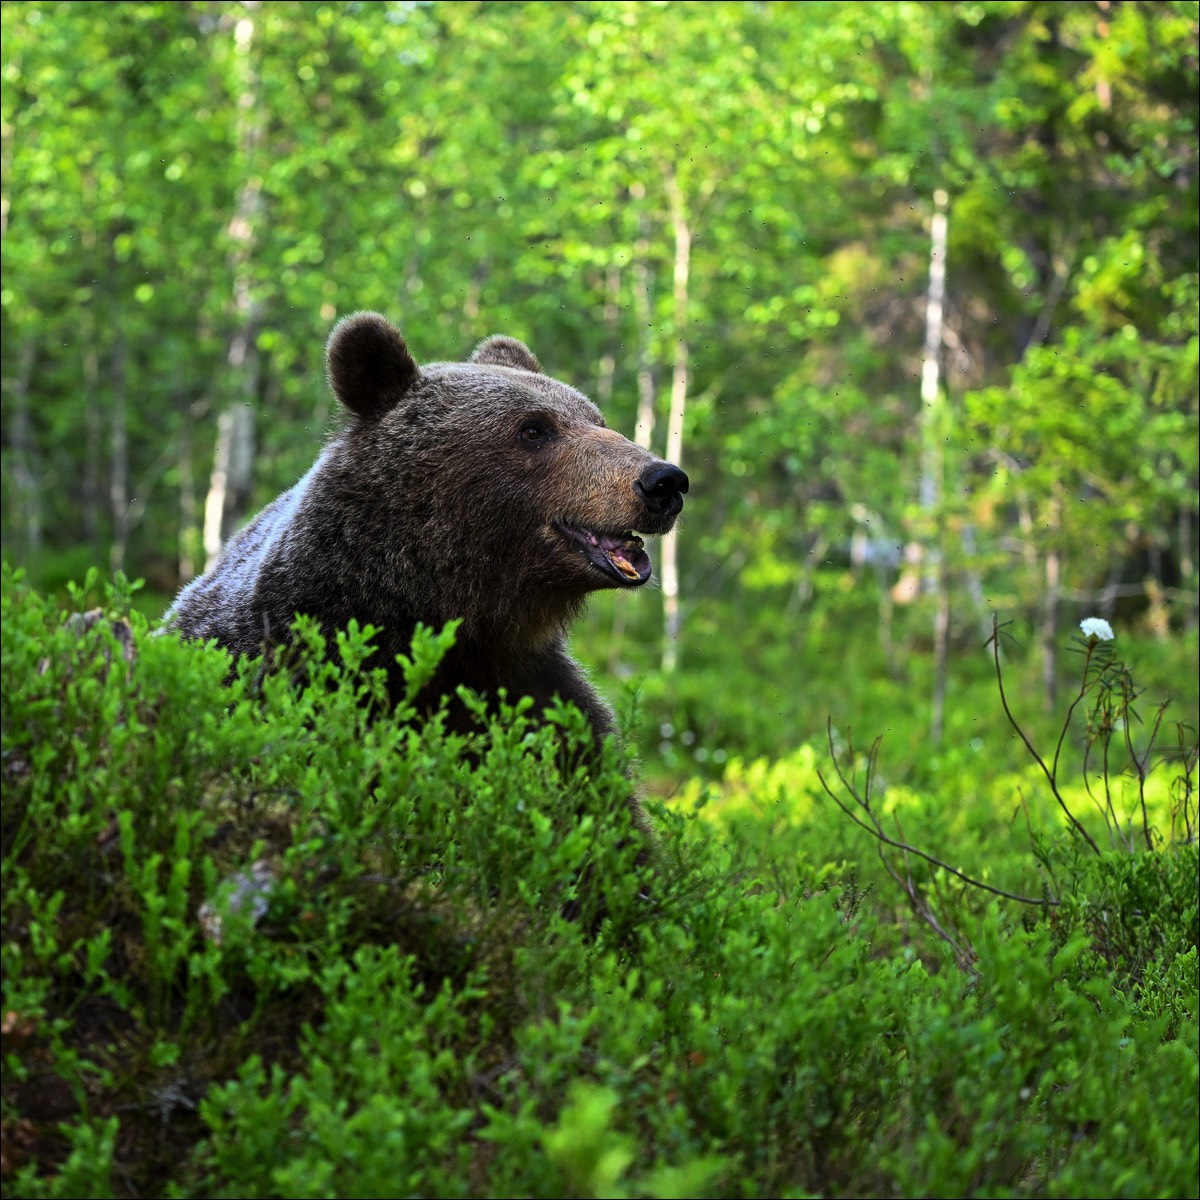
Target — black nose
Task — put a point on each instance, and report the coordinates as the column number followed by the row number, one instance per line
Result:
column 662, row 486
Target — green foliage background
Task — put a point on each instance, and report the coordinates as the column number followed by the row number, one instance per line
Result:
column 194, row 192
column 470, row 168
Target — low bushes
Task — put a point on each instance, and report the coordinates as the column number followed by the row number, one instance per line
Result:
column 259, row 943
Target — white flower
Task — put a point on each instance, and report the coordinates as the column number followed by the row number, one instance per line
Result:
column 1097, row 627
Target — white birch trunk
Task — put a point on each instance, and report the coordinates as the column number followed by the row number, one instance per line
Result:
column 679, row 385
column 1050, row 612
column 931, row 456
column 932, row 465
column 643, row 432
column 233, row 452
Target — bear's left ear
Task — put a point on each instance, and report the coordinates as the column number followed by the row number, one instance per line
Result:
column 502, row 351
column 368, row 365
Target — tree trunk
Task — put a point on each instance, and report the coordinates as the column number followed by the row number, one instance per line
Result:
column 1187, row 541
column 188, row 509
column 941, row 650
column 229, row 483
column 606, row 376
column 1050, row 615
column 887, row 640
column 937, row 578
column 643, row 432
column 233, row 453
column 931, row 451
column 605, row 385
column 679, row 384
column 1049, row 633
column 93, row 470
column 25, row 469
column 118, row 453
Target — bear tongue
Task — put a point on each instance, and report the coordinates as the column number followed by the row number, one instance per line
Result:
column 618, row 555
column 626, row 554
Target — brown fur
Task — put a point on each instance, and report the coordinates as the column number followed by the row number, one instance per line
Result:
column 442, row 498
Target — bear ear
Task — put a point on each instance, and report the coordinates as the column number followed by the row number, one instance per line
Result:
column 368, row 365
column 500, row 351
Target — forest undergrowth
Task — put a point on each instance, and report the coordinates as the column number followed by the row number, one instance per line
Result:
column 257, row 943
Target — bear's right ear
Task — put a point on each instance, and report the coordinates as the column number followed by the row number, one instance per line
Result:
column 368, row 365
column 502, row 351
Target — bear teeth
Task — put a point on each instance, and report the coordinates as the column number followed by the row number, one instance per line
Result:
column 628, row 537
column 619, row 555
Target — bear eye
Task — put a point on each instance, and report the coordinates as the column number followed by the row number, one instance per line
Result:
column 536, row 432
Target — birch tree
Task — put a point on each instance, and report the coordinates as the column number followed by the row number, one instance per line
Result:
column 932, row 480
column 233, row 453
column 681, row 274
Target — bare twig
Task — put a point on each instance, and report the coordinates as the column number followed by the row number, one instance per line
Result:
column 1142, row 764
column 994, row 642
column 862, row 799
column 963, row 954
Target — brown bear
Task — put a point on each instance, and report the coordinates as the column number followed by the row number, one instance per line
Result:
column 484, row 491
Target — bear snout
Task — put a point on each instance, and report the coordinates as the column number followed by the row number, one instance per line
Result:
column 661, row 487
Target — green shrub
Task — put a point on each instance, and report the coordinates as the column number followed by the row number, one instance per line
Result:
column 261, row 940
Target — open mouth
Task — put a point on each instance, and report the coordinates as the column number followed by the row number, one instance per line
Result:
column 619, row 555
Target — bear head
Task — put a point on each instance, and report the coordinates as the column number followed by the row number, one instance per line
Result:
column 496, row 493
